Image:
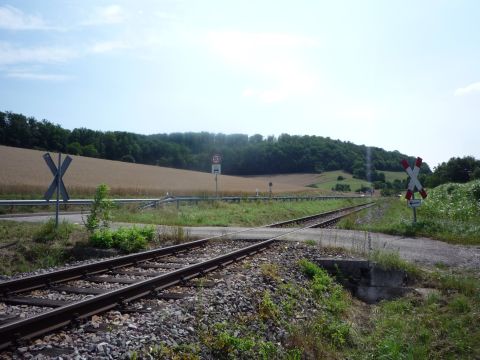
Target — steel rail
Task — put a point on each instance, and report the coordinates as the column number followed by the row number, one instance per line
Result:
column 41, row 280
column 324, row 214
column 28, row 283
column 335, row 219
column 15, row 332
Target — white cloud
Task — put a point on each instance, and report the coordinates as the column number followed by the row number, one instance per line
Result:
column 107, row 15
column 106, row 46
column 12, row 18
column 475, row 87
column 273, row 56
column 43, row 54
column 37, row 76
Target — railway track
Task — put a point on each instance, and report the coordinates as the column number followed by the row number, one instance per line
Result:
column 324, row 219
column 69, row 296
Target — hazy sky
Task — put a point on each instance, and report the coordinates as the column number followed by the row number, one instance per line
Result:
column 402, row 75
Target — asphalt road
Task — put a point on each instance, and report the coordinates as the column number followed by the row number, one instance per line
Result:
column 419, row 250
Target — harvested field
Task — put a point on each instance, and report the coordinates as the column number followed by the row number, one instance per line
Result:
column 24, row 171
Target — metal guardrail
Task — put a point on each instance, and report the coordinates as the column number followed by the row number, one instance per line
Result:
column 42, row 202
column 178, row 199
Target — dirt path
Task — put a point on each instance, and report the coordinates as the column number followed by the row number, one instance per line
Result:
column 419, row 250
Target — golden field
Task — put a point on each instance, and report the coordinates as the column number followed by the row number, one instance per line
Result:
column 24, row 172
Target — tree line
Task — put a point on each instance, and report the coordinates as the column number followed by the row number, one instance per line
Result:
column 457, row 170
column 242, row 154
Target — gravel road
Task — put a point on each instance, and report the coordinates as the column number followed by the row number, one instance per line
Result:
column 419, row 250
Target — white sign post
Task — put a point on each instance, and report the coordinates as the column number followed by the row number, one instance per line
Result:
column 216, row 169
column 414, row 183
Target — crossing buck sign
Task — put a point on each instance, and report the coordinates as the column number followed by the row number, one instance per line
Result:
column 57, row 172
column 57, row 182
column 412, row 184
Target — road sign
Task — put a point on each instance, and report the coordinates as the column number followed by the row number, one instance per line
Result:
column 216, row 159
column 216, row 169
column 414, row 203
column 57, row 177
column 414, row 182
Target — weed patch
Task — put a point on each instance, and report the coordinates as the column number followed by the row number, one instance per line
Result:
column 391, row 260
column 172, row 235
column 125, row 239
column 270, row 272
column 48, row 232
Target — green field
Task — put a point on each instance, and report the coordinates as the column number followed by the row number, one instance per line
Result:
column 328, row 180
column 391, row 176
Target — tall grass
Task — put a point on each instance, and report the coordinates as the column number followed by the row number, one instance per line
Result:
column 459, row 202
column 451, row 213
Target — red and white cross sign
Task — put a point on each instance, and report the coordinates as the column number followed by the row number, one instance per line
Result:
column 414, row 178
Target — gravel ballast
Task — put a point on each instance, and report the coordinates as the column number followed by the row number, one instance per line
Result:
column 221, row 297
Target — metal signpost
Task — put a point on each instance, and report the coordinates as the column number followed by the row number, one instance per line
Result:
column 57, row 183
column 414, row 183
column 216, row 169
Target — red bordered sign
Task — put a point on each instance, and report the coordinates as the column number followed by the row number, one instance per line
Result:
column 216, row 159
column 414, row 182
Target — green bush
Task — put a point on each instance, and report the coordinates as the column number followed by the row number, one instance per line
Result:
column 102, row 239
column 125, row 239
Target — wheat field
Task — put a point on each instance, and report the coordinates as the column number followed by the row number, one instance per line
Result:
column 24, row 172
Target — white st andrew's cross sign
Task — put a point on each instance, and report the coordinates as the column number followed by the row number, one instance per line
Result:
column 414, row 182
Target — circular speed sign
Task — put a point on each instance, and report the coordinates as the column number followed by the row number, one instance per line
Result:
column 216, row 159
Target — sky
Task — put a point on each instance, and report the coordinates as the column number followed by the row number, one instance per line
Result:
column 401, row 75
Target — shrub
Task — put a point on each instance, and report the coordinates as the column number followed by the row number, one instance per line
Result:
column 100, row 215
column 125, row 239
column 342, row 187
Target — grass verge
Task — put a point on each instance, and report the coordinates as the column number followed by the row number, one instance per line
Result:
column 29, row 246
column 392, row 216
column 228, row 214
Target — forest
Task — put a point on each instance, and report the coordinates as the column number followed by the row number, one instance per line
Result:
column 241, row 154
